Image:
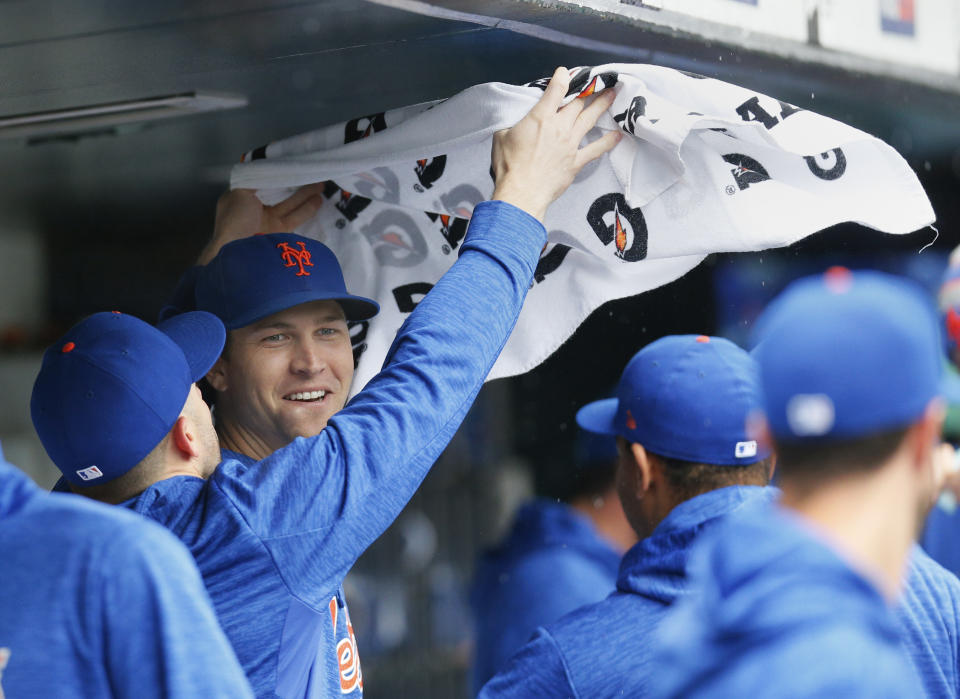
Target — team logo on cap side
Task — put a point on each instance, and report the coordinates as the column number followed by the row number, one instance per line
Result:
column 90, row 474
column 292, row 257
column 745, row 450
column 810, row 414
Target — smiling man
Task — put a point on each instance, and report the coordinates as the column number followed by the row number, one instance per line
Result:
column 288, row 363
column 304, row 487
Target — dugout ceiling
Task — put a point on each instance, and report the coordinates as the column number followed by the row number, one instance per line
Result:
column 118, row 198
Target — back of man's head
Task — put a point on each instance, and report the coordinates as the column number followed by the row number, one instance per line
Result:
column 688, row 402
column 587, row 474
column 110, row 390
column 848, row 362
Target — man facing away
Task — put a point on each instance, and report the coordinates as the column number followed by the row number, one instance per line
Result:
column 680, row 416
column 561, row 553
column 98, row 602
column 308, row 484
column 795, row 598
column 942, row 526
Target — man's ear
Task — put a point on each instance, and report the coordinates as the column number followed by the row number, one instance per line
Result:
column 644, row 469
column 184, row 439
column 217, row 376
column 927, row 432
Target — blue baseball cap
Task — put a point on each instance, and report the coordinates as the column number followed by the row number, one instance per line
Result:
column 846, row 354
column 255, row 277
column 111, row 389
column 688, row 397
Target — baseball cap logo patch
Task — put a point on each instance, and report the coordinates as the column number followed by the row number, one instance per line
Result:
column 90, row 473
column 810, row 414
column 745, row 450
column 292, row 257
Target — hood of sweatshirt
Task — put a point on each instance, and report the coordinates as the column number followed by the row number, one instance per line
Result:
column 770, row 586
column 656, row 567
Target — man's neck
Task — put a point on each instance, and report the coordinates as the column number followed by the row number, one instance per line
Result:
column 608, row 519
column 868, row 518
column 237, row 439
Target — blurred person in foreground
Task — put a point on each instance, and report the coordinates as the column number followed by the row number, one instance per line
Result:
column 98, row 602
column 797, row 598
column 686, row 459
column 561, row 553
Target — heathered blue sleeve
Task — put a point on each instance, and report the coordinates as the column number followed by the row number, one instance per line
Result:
column 929, row 612
column 538, row 590
column 536, row 670
column 161, row 636
column 319, row 502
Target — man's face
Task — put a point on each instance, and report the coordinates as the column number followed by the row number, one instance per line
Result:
column 284, row 376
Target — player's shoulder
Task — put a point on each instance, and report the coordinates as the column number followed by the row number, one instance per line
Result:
column 614, row 622
column 86, row 524
column 927, row 575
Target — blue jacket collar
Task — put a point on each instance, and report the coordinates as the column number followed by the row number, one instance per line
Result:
column 656, row 567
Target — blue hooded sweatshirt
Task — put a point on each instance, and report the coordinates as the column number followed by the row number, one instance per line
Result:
column 779, row 613
column 275, row 538
column 98, row 602
column 604, row 649
column 928, row 612
column 551, row 562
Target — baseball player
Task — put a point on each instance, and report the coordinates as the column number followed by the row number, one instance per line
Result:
column 795, row 597
column 275, row 527
column 940, row 532
column 97, row 602
column 686, row 459
column 557, row 556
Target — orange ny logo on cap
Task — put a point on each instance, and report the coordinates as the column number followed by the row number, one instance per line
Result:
column 292, row 257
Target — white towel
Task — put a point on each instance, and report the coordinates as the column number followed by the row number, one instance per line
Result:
column 706, row 167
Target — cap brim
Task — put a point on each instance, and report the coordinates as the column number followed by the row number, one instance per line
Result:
column 200, row 335
column 354, row 307
column 598, row 417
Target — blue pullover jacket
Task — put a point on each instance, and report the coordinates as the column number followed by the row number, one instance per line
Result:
column 779, row 613
column 551, row 562
column 604, row 649
column 274, row 539
column 97, row 602
column 557, row 663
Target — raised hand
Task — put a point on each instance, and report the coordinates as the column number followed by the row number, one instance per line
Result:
column 537, row 159
column 241, row 214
